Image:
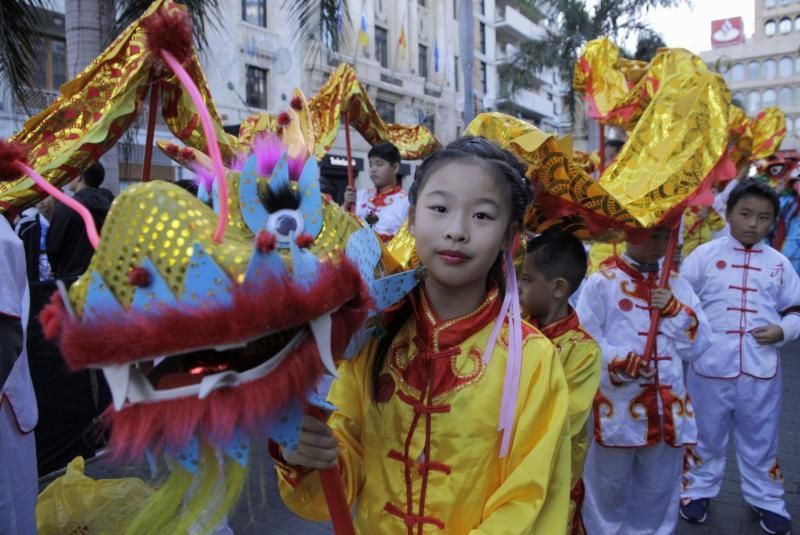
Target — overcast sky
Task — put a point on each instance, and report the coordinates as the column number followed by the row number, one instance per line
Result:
column 690, row 27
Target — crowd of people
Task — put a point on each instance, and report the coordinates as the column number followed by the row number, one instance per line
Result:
column 596, row 435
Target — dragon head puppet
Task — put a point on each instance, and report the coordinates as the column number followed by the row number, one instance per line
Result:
column 207, row 343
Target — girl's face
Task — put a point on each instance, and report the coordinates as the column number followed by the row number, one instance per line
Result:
column 460, row 223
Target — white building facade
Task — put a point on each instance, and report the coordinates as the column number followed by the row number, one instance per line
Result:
column 765, row 69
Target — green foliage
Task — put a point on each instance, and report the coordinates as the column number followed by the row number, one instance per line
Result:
column 19, row 41
column 571, row 25
column 204, row 13
column 318, row 23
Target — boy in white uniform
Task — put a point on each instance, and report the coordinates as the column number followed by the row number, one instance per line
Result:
column 751, row 294
column 387, row 202
column 642, row 413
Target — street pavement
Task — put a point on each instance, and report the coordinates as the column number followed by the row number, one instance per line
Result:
column 261, row 510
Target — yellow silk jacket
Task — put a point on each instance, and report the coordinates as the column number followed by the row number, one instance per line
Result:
column 697, row 230
column 581, row 358
column 424, row 456
column 601, row 252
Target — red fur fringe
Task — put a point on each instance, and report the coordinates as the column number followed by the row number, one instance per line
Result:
column 275, row 306
column 170, row 30
column 251, row 407
column 51, row 317
column 10, row 155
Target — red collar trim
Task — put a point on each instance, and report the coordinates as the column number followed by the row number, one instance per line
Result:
column 379, row 199
column 442, row 335
column 568, row 323
column 628, row 269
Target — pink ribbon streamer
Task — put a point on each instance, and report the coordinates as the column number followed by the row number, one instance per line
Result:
column 510, row 309
column 211, row 137
column 86, row 215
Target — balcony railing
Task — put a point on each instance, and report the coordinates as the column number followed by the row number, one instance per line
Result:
column 36, row 100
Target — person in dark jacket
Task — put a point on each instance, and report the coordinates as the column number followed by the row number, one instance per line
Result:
column 32, row 230
column 68, row 247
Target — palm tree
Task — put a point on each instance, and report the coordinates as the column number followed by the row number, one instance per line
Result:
column 572, row 24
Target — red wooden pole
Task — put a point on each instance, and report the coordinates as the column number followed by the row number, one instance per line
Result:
column 655, row 315
column 350, row 177
column 334, row 493
column 602, row 150
column 151, row 130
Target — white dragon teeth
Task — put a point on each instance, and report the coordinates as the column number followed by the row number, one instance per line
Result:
column 216, row 381
column 118, row 377
column 321, row 330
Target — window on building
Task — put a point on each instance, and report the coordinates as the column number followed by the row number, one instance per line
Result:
column 785, row 25
column 257, row 87
column 797, row 65
column 738, row 99
column 769, row 28
column 429, row 122
column 455, row 9
column 422, row 61
column 797, row 96
column 385, row 109
column 382, row 46
column 784, row 97
column 785, row 67
column 789, row 125
column 482, row 30
column 50, row 67
column 483, row 7
column 753, row 101
column 769, row 98
column 421, row 2
column 797, row 127
column 484, row 82
column 738, row 72
column 769, row 4
column 770, row 69
column 456, row 81
column 255, row 12
column 797, row 24
column 753, row 70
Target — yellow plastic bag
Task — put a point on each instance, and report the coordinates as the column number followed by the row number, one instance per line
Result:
column 75, row 504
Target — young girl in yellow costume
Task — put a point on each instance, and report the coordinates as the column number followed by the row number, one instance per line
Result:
column 415, row 432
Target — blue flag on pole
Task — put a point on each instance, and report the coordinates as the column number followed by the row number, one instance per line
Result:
column 436, row 55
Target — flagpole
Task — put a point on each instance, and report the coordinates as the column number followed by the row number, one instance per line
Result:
column 402, row 32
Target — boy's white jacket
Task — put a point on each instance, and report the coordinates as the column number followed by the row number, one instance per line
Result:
column 742, row 289
column 613, row 307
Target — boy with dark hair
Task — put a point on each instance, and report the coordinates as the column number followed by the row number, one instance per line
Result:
column 752, row 295
column 554, row 267
column 387, row 201
column 642, row 413
column 68, row 247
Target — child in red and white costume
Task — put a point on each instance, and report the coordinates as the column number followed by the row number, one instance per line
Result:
column 387, row 201
column 642, row 413
column 751, row 294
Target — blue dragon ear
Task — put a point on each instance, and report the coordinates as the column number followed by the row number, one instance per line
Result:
column 157, row 293
column 253, row 212
column 364, row 250
column 100, row 301
column 188, row 457
column 305, row 266
column 205, row 282
column 310, row 198
column 264, row 266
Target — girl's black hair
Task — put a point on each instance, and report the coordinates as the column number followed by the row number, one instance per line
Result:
column 508, row 170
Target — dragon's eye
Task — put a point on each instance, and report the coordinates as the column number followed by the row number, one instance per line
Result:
column 284, row 223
